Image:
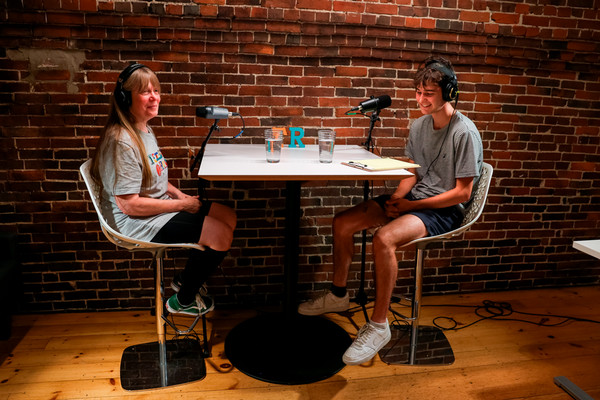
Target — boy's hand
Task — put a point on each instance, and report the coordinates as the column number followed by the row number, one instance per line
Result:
column 395, row 207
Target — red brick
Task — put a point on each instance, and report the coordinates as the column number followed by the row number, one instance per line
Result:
column 581, row 46
column 140, row 21
column 437, row 36
column 505, row 18
column 52, row 32
column 325, row 5
column 474, row 16
column 105, row 6
column 88, row 5
column 257, row 49
column 381, row 8
column 349, row 7
column 62, row 18
column 536, row 20
column 413, row 22
column 522, row 8
column 174, row 9
column 294, row 51
column 350, row 71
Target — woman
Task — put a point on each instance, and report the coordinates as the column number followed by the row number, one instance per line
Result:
column 138, row 200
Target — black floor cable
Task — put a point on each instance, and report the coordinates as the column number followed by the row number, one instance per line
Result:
column 492, row 310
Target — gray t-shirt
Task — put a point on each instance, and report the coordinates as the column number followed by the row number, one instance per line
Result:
column 125, row 177
column 444, row 158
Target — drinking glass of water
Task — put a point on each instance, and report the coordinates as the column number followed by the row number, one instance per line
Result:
column 326, row 144
column 273, row 142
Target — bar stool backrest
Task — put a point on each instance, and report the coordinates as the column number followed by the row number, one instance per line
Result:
column 472, row 213
column 112, row 234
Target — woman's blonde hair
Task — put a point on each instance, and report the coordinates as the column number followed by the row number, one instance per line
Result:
column 121, row 121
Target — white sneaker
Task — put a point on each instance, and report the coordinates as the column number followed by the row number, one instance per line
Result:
column 368, row 342
column 325, row 303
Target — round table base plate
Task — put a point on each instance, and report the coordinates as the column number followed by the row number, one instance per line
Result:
column 292, row 351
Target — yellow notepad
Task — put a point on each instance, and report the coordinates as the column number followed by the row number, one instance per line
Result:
column 380, row 164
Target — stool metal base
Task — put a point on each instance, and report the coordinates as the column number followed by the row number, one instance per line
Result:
column 140, row 365
column 432, row 347
column 283, row 350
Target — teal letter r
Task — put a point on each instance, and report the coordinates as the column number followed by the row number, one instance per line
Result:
column 295, row 135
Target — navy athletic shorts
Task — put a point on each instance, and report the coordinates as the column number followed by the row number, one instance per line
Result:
column 184, row 227
column 436, row 220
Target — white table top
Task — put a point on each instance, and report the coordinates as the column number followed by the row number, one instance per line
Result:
column 223, row 162
column 591, row 247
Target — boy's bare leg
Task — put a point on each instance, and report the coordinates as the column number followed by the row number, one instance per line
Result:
column 385, row 242
column 345, row 224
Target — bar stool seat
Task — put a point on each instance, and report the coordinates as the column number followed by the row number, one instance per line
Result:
column 161, row 363
column 414, row 344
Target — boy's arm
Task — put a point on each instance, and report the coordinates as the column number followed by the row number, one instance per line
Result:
column 459, row 194
column 406, row 184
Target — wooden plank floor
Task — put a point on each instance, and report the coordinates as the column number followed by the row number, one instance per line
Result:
column 77, row 355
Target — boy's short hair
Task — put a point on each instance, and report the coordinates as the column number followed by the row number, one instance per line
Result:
column 427, row 74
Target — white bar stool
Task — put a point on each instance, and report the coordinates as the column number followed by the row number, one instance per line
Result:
column 414, row 344
column 162, row 363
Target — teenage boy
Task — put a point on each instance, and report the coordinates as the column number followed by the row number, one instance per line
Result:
column 447, row 146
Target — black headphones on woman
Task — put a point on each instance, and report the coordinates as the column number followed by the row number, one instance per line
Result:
column 122, row 96
column 449, row 83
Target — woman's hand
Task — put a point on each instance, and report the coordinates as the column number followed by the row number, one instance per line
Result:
column 190, row 204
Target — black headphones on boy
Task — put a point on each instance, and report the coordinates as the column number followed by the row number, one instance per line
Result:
column 449, row 83
column 122, row 96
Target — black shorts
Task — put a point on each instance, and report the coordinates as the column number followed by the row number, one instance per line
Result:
column 184, row 227
column 436, row 220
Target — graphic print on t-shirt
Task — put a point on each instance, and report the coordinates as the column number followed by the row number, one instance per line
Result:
column 158, row 160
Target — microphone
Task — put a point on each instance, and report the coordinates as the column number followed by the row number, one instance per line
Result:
column 214, row 113
column 374, row 103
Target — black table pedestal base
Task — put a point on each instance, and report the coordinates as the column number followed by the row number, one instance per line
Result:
column 290, row 351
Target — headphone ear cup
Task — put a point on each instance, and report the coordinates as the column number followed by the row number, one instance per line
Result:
column 449, row 83
column 447, row 92
column 122, row 97
column 450, row 90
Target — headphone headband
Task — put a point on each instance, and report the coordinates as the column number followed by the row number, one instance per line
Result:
column 122, row 96
column 127, row 72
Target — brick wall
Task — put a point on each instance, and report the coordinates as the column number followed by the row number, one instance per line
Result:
column 529, row 74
